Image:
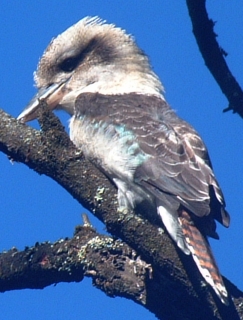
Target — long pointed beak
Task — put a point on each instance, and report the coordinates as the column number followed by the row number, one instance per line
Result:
column 52, row 95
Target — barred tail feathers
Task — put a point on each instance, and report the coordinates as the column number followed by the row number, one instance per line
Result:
column 203, row 256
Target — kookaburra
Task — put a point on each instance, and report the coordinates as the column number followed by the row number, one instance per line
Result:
column 123, row 124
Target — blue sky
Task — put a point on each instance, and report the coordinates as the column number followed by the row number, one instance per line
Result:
column 35, row 208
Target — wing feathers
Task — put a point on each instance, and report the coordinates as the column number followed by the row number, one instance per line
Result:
column 177, row 159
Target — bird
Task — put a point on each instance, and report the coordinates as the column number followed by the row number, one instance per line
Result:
column 122, row 123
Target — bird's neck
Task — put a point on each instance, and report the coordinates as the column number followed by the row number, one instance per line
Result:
column 124, row 81
column 115, row 82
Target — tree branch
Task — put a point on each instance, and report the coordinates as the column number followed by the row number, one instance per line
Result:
column 213, row 55
column 114, row 266
column 170, row 292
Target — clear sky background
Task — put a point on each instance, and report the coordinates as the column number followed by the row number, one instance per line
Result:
column 34, row 208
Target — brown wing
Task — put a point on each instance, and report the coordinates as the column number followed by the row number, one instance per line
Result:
column 178, row 167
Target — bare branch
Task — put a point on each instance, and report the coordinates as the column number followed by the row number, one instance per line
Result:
column 214, row 55
column 114, row 267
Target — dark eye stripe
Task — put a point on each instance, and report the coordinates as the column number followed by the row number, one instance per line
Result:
column 69, row 64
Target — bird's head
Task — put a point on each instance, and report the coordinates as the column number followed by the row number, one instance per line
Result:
column 90, row 56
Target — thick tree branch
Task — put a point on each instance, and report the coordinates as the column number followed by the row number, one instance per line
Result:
column 213, row 55
column 113, row 266
column 170, row 292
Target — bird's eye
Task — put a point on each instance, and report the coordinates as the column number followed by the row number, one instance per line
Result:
column 69, row 64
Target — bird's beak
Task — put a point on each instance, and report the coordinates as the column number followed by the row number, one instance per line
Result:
column 52, row 95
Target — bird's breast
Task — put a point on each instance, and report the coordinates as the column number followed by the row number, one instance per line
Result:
column 110, row 146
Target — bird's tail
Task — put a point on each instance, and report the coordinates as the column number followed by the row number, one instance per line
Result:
column 203, row 256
